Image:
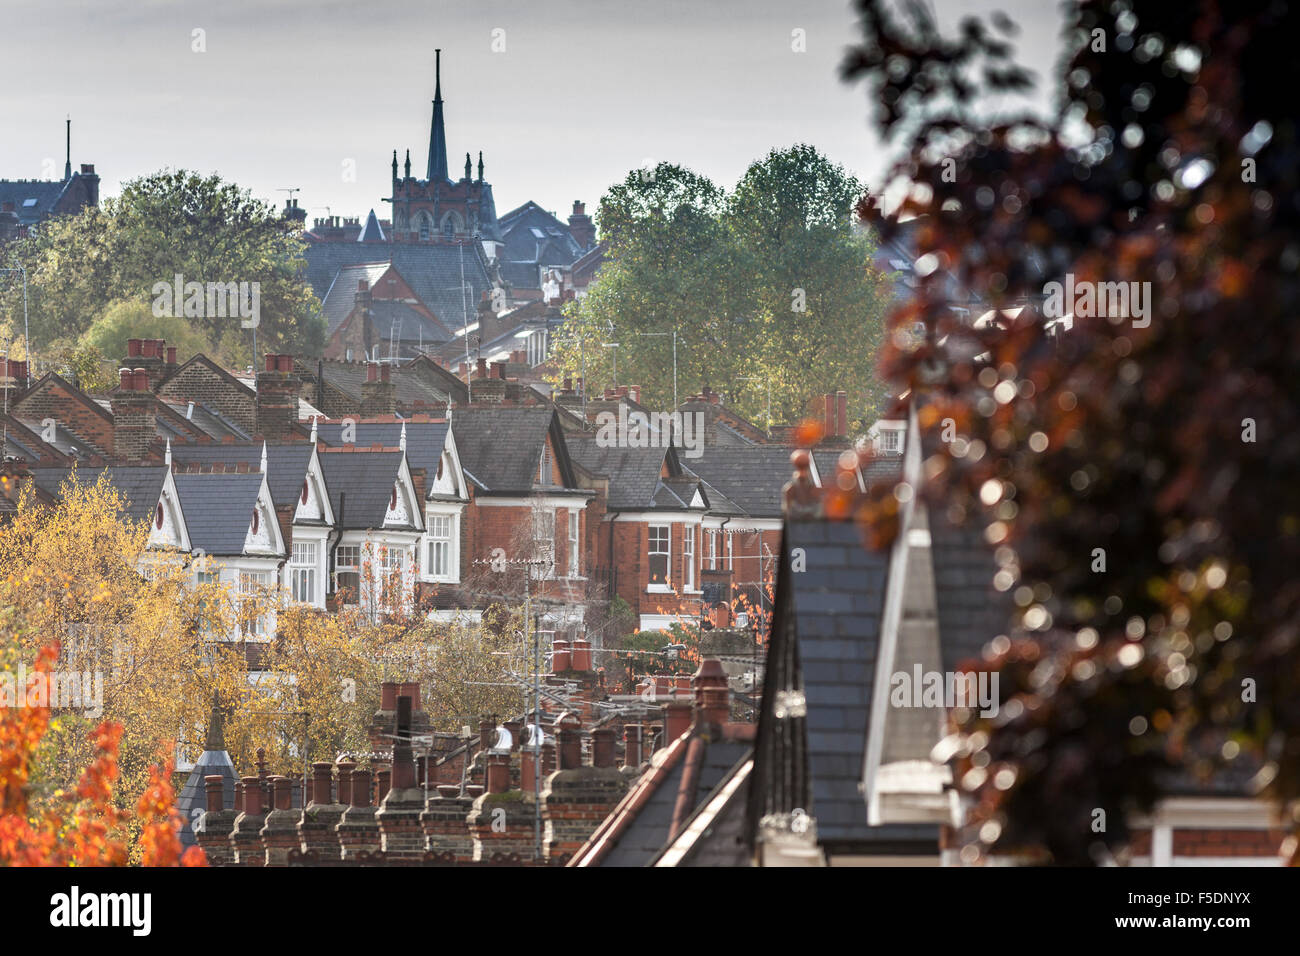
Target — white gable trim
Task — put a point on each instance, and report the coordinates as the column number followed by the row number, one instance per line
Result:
column 408, row 511
column 891, row 617
column 175, row 534
column 268, row 540
column 318, row 506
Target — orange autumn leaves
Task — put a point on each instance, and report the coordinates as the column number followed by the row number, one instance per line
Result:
column 81, row 828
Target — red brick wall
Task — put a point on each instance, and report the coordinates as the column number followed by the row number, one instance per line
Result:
column 50, row 399
column 199, row 383
column 1225, row 842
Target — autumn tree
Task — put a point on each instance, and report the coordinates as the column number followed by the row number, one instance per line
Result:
column 1136, row 476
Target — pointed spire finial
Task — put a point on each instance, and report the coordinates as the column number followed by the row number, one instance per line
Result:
column 408, row 164
column 467, row 165
column 437, row 134
column 167, row 455
column 480, row 165
column 262, row 467
column 313, row 429
column 401, row 442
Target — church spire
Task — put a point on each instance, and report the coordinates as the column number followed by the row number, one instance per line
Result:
column 437, row 135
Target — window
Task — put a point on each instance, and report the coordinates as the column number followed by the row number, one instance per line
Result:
column 891, row 441
column 208, row 609
column 302, row 570
column 712, row 557
column 575, row 554
column 688, row 557
column 543, row 542
column 252, row 589
column 659, row 554
column 441, row 528
column 347, row 574
column 544, row 473
column 730, row 562
column 390, row 566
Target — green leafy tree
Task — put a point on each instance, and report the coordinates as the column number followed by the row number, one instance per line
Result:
column 772, row 282
column 170, row 223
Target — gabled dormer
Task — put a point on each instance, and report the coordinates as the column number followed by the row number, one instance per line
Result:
column 404, row 506
column 313, row 505
column 168, row 532
column 263, row 536
column 448, row 480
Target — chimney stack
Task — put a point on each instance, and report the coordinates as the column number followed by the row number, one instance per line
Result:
column 277, row 398
column 134, row 407
column 378, row 393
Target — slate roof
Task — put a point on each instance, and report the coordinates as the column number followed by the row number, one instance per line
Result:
column 391, row 317
column 139, row 485
column 372, row 231
column 971, row 612
column 752, row 476
column 425, row 441
column 500, row 447
column 195, row 792
column 33, row 200
column 64, row 440
column 410, row 386
column 218, row 509
column 825, row 641
column 633, row 473
column 341, row 296
column 647, row 832
column 433, row 270
column 366, row 479
column 286, row 463
column 210, row 422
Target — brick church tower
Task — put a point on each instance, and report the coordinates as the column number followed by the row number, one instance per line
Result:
column 436, row 209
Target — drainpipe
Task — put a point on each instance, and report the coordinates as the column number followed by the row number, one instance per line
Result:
column 613, row 568
column 333, row 548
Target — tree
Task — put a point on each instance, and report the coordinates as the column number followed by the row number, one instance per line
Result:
column 1166, row 439
column 42, row 825
column 170, row 223
column 768, row 282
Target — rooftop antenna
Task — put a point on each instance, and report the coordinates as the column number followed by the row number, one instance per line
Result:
column 67, row 164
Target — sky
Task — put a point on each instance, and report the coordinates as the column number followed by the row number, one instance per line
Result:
column 563, row 97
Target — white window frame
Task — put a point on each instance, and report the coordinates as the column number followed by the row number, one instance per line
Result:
column 543, row 547
column 349, row 568
column 731, row 558
column 449, row 538
column 303, row 570
column 575, row 543
column 712, row 554
column 253, row 583
column 652, row 533
column 688, row 557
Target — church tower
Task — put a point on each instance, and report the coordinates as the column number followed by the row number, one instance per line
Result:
column 436, row 208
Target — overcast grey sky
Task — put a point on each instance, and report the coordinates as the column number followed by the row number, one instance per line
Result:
column 288, row 91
